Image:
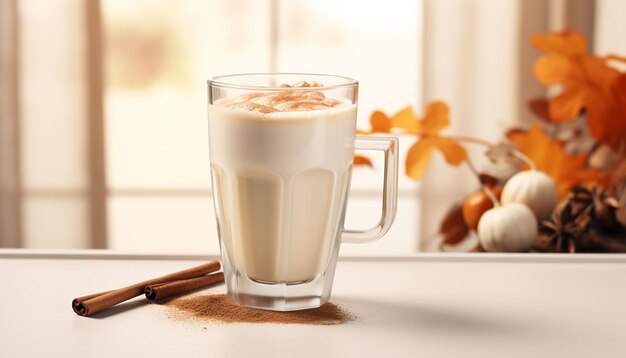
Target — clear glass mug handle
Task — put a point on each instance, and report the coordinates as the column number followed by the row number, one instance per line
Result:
column 389, row 146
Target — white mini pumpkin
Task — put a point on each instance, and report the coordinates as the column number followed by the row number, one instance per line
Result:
column 533, row 188
column 507, row 228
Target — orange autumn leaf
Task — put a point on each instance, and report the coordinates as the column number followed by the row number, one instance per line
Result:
column 567, row 105
column 419, row 154
column 407, row 120
column 550, row 157
column 453, row 153
column 566, row 42
column 380, row 122
column 453, row 227
column 607, row 118
column 361, row 160
column 539, row 107
column 435, row 119
column 417, row 159
column 552, row 69
column 589, row 84
column 585, row 79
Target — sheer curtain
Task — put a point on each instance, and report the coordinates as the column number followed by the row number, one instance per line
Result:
column 51, row 171
column 10, row 203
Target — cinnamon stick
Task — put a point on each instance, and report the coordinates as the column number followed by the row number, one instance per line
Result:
column 90, row 304
column 164, row 290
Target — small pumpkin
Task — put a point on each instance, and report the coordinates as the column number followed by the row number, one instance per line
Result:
column 475, row 205
column 508, row 228
column 533, row 188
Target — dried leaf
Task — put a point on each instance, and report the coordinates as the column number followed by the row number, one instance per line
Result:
column 588, row 83
column 539, row 107
column 417, row 158
column 454, row 153
column 576, row 137
column 552, row 69
column 595, row 71
column 503, row 153
column 488, row 180
column 567, row 105
column 406, row 120
column 436, row 118
column 361, row 160
column 605, row 158
column 565, row 42
column 419, row 154
column 585, row 81
column 607, row 117
column 380, row 122
column 453, row 227
column 549, row 156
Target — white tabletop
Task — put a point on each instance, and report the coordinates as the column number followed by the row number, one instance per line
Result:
column 475, row 305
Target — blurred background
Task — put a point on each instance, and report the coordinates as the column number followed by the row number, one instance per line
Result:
column 103, row 130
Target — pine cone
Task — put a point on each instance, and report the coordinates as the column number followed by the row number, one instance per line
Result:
column 594, row 206
column 584, row 222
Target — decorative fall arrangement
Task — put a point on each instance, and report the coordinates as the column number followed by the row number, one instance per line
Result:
column 566, row 191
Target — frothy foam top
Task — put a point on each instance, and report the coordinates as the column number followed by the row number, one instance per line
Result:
column 284, row 101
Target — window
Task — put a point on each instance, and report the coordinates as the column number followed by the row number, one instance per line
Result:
column 158, row 56
column 103, row 124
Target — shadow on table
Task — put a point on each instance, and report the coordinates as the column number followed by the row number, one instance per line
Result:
column 120, row 308
column 423, row 316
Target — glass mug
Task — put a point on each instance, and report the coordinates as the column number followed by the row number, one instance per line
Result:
column 281, row 160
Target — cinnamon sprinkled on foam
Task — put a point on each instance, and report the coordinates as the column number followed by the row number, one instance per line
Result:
column 287, row 101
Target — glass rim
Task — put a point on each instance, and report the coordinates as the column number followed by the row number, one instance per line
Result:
column 222, row 81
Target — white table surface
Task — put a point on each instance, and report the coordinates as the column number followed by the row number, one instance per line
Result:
column 429, row 305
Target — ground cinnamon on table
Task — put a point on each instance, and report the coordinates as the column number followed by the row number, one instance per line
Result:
column 220, row 308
